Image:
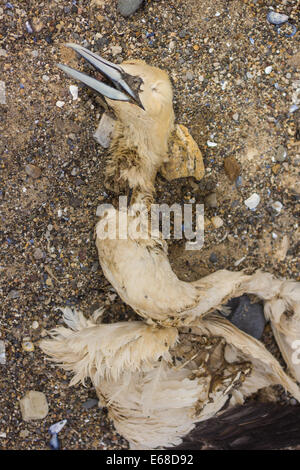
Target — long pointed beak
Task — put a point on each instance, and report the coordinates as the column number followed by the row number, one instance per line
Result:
column 113, row 72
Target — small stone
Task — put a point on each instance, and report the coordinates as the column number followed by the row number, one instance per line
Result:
column 235, row 117
column 213, row 258
column 13, row 294
column 253, row 201
column 35, row 54
column 60, row 104
column 38, row 253
column 211, row 200
column 268, row 69
column 90, row 403
column 105, row 130
column 275, row 169
column 46, row 79
column 37, row 24
column 3, row 53
column 276, row 18
column 189, row 76
column 277, row 206
column 35, row 325
column 293, row 401
column 49, row 282
column 74, row 171
column 2, row 353
column 2, row 93
column 248, row 317
column 33, row 171
column 115, row 50
column 232, row 168
column 281, row 153
column 34, row 406
column 217, row 221
column 24, row 433
column 128, row 7
column 292, row 109
column 28, row 346
column 74, row 91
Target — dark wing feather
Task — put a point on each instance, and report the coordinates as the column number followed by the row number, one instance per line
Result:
column 255, row 426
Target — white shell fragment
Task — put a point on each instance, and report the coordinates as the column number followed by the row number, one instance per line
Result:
column 2, row 93
column 57, row 427
column 252, row 201
column 268, row 70
column 276, row 18
column 60, row 104
column 211, row 144
column 74, row 91
column 277, row 206
column 105, row 130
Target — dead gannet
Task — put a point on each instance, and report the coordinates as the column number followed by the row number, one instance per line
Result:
column 139, row 268
column 157, row 382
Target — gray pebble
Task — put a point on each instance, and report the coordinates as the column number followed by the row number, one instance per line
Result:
column 128, row 7
column 13, row 294
column 276, row 18
column 3, row 53
column 189, row 76
column 248, row 317
column 280, row 154
column 2, row 353
column 38, row 253
column 90, row 403
column 213, row 258
column 33, row 171
column 211, row 200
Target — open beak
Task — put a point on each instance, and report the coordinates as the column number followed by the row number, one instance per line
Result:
column 115, row 74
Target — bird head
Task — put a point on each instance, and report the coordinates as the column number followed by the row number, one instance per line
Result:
column 140, row 95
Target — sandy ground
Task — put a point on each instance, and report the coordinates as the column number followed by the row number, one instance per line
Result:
column 217, row 54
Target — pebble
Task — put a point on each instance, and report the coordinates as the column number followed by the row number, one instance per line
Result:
column 45, row 78
column 277, row 206
column 2, row 353
column 2, row 93
column 189, row 76
column 115, row 50
column 248, row 317
column 211, row 200
column 34, row 406
column 3, row 53
column 235, row 117
column 60, row 104
column 253, row 201
column 35, row 54
column 28, row 346
column 35, row 325
column 28, row 27
column 281, row 153
column 128, row 7
column 33, row 171
column 90, row 403
column 213, row 258
column 74, row 91
column 104, row 130
column 292, row 109
column 232, row 168
column 217, row 221
column 38, row 253
column 13, row 294
column 276, row 18
column 268, row 69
